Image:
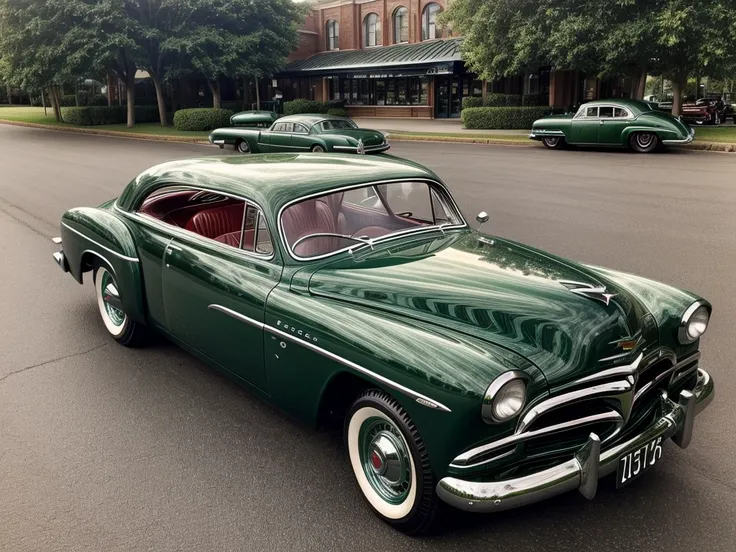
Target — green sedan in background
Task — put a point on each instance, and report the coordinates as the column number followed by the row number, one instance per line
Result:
column 616, row 123
column 316, row 133
column 254, row 118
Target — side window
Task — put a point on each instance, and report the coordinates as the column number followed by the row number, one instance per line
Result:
column 283, row 127
column 618, row 112
column 409, row 199
column 364, row 197
column 605, row 111
column 264, row 245
column 256, row 238
column 591, row 112
column 300, row 129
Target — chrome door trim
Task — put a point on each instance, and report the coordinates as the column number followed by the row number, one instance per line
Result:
column 418, row 397
column 98, row 244
column 236, row 315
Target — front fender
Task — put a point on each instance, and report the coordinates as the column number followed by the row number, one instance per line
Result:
column 312, row 340
column 92, row 235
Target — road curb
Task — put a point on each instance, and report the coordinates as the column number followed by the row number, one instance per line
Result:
column 703, row 146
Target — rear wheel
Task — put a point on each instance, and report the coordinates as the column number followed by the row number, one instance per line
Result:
column 644, row 142
column 117, row 322
column 390, row 462
column 242, row 146
column 318, row 149
column 554, row 142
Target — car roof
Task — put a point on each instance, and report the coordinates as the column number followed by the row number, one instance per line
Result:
column 306, row 118
column 274, row 179
column 635, row 105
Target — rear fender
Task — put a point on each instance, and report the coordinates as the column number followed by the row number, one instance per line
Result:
column 91, row 235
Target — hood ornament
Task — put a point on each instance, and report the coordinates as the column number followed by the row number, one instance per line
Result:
column 591, row 291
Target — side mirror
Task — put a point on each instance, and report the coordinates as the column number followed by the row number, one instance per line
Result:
column 482, row 218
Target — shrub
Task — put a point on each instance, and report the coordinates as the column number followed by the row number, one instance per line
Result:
column 98, row 99
column 294, row 107
column 472, row 101
column 201, row 119
column 338, row 112
column 69, row 100
column 531, row 100
column 76, row 115
column 502, row 117
column 503, row 100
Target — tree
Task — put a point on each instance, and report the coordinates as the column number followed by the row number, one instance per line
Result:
column 235, row 38
column 40, row 45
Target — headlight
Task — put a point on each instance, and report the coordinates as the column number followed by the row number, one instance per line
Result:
column 504, row 398
column 694, row 322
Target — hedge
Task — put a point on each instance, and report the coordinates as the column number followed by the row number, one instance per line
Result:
column 503, row 100
column 104, row 115
column 472, row 101
column 295, row 107
column 530, row 100
column 203, row 118
column 68, row 100
column 502, row 117
column 338, row 112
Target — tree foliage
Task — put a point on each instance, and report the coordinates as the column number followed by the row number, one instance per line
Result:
column 676, row 38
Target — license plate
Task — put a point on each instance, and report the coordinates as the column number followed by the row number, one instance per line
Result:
column 633, row 464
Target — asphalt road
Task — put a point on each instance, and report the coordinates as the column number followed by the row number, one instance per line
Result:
column 106, row 448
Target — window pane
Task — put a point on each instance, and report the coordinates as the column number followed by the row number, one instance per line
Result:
column 381, row 92
column 591, row 112
column 606, row 111
column 401, row 91
column 618, row 112
column 249, row 228
column 263, row 237
column 410, row 199
column 364, row 197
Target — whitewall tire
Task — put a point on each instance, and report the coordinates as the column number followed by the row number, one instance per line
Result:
column 116, row 321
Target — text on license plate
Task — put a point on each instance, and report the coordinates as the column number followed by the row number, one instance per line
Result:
column 633, row 464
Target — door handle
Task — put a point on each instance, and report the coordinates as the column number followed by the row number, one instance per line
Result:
column 172, row 247
column 600, row 122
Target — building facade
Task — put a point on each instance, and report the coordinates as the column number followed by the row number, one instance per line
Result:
column 392, row 58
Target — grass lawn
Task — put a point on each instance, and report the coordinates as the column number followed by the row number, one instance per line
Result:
column 490, row 135
column 721, row 134
column 35, row 115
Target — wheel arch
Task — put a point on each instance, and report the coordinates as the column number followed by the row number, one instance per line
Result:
column 628, row 131
column 340, row 392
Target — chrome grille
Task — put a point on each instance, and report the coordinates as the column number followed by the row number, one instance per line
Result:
column 608, row 403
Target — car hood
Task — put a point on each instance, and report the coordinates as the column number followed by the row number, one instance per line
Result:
column 369, row 137
column 506, row 293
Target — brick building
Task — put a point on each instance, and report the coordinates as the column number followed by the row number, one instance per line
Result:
column 391, row 58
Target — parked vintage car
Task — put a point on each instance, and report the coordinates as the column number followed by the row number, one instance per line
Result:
column 467, row 368
column 315, row 133
column 617, row 123
column 705, row 111
column 254, row 118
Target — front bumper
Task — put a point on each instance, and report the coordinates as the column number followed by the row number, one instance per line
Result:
column 589, row 464
column 366, row 149
column 538, row 134
column 681, row 142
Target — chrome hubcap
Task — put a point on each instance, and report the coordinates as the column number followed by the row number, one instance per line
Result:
column 111, row 299
column 644, row 140
column 385, row 460
column 552, row 141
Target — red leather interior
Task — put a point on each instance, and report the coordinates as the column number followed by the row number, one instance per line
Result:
column 218, row 221
column 309, row 217
column 233, row 239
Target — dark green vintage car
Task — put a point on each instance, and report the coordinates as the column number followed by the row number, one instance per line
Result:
column 315, row 133
column 253, row 118
column 617, row 123
column 466, row 367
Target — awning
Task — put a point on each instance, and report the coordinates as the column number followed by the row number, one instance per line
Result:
column 432, row 57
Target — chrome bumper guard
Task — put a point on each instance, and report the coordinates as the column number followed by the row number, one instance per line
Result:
column 586, row 467
column 59, row 256
column 682, row 142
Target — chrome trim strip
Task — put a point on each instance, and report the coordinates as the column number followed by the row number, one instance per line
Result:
column 237, row 316
column 119, row 255
column 418, row 397
column 681, row 142
column 625, row 370
column 381, row 239
column 350, row 148
column 464, row 460
column 588, row 464
column 662, row 375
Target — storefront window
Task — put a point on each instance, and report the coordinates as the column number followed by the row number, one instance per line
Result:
column 364, row 93
column 391, row 92
column 401, row 92
column 334, row 89
column 380, row 92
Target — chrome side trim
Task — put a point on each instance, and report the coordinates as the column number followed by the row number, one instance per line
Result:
column 625, row 370
column 347, row 148
column 119, row 255
column 237, row 316
column 681, row 142
column 388, row 237
column 418, row 397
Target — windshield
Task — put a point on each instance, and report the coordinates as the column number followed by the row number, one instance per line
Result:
column 333, row 222
column 338, row 124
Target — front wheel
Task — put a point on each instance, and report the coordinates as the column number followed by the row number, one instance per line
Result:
column 554, row 142
column 390, row 462
column 318, row 149
column 117, row 322
column 243, row 146
column 644, row 142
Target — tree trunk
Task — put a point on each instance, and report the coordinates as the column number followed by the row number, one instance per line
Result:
column 215, row 89
column 130, row 95
column 111, row 81
column 697, row 87
column 678, row 86
column 642, row 84
column 160, row 100
column 43, row 103
column 258, row 95
column 10, row 94
column 54, row 97
column 76, row 94
column 246, row 92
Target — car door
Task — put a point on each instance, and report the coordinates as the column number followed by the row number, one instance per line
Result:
column 612, row 121
column 280, row 137
column 215, row 292
column 300, row 138
column 585, row 126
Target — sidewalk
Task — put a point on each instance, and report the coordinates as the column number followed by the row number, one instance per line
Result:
column 429, row 126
